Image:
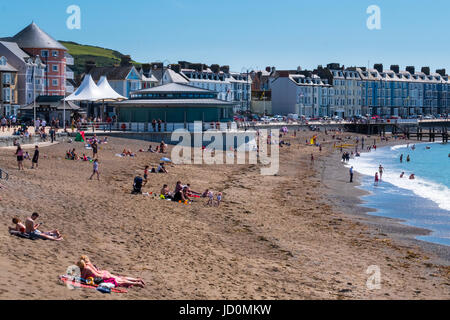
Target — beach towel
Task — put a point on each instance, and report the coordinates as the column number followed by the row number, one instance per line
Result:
column 22, row 235
column 68, row 280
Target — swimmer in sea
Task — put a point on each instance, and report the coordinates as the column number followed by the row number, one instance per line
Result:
column 402, row 174
column 412, row 177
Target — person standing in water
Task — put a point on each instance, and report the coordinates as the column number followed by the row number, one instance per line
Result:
column 401, row 158
column 408, row 159
column 351, row 174
column 376, row 178
column 380, row 170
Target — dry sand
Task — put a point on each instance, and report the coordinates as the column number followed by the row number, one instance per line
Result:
column 273, row 237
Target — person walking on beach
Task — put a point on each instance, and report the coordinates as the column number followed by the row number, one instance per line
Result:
column 35, row 157
column 376, row 178
column 381, row 170
column 312, row 158
column 95, row 170
column 52, row 134
column 351, row 174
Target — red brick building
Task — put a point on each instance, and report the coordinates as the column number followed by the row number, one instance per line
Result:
column 34, row 41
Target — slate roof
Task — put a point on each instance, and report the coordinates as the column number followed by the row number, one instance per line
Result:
column 112, row 73
column 34, row 37
column 172, row 87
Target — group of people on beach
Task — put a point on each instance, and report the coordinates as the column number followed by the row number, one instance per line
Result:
column 30, row 229
column 21, row 156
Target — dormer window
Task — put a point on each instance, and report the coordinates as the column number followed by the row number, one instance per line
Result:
column 2, row 61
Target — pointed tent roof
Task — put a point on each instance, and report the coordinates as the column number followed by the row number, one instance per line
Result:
column 106, row 89
column 87, row 91
column 34, row 37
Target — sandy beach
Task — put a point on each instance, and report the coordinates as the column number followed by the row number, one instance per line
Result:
column 301, row 234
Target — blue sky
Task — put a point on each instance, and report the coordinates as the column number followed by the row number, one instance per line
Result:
column 249, row 33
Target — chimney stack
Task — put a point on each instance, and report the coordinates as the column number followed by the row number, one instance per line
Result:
column 441, row 72
column 411, row 69
column 426, row 70
column 225, row 69
column 378, row 67
column 395, row 68
column 215, row 68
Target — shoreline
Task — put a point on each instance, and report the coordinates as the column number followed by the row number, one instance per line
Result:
column 349, row 201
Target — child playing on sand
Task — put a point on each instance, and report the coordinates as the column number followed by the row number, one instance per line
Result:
column 95, row 170
column 145, row 175
column 219, row 198
column 210, row 198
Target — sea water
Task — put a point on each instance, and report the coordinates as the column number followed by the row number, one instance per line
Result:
column 423, row 202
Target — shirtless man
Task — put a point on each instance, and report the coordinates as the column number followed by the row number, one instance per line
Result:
column 165, row 192
column 32, row 229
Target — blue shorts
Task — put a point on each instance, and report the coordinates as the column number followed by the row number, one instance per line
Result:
column 36, row 234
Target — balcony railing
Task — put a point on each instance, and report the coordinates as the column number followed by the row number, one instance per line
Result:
column 70, row 61
column 70, row 75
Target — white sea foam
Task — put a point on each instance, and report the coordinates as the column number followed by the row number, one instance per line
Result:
column 438, row 193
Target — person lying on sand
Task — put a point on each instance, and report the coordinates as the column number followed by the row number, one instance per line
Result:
column 32, row 229
column 192, row 192
column 150, row 149
column 89, row 270
column 128, row 153
column 18, row 225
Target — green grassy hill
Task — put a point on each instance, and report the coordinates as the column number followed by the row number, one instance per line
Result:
column 103, row 57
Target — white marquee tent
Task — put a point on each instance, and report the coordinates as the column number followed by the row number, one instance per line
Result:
column 89, row 91
column 106, row 89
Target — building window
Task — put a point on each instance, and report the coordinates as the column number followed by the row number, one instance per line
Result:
column 55, row 53
column 44, row 53
column 55, row 68
column 55, row 82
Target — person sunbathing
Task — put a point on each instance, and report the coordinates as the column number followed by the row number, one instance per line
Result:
column 192, row 192
column 32, row 229
column 161, row 168
column 89, row 270
column 18, row 225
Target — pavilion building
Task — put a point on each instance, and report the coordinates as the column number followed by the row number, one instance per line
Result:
column 177, row 105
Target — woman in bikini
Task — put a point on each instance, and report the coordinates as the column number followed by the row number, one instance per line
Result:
column 90, row 270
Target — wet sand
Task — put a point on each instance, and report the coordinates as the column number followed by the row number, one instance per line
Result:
column 274, row 237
